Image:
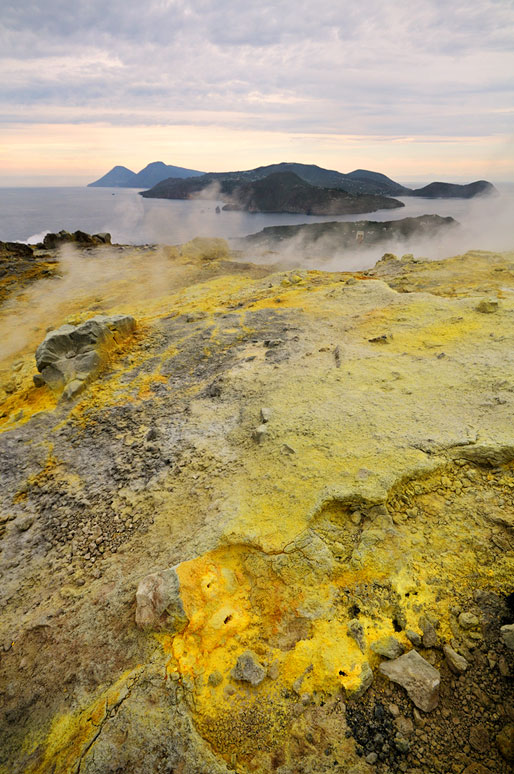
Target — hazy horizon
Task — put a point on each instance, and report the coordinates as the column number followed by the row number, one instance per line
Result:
column 416, row 92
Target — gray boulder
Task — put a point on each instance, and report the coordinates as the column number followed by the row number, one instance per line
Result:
column 419, row 678
column 71, row 356
column 158, row 602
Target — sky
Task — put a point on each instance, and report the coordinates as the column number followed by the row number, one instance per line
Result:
column 418, row 90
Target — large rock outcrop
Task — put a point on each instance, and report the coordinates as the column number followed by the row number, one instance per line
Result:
column 71, row 356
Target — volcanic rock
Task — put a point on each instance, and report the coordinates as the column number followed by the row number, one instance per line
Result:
column 417, row 676
column 70, row 356
column 158, row 602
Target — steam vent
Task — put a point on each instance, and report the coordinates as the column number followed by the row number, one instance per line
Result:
column 255, row 520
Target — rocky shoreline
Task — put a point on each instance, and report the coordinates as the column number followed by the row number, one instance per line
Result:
column 273, row 531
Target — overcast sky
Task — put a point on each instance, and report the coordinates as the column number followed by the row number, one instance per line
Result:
column 414, row 89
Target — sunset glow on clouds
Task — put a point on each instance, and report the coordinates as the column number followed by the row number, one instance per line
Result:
column 409, row 89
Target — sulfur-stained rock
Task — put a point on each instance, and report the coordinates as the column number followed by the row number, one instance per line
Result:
column 365, row 681
column 70, row 356
column 389, row 647
column 356, row 630
column 468, row 620
column 414, row 637
column 487, row 307
column 419, row 678
column 158, row 602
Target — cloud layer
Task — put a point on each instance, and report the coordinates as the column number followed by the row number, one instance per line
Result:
column 374, row 69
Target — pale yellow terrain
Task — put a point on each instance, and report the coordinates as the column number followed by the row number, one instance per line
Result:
column 380, row 488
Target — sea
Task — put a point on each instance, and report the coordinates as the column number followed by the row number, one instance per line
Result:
column 27, row 214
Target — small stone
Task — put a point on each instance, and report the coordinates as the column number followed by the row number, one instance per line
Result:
column 356, row 518
column 265, row 414
column 366, row 678
column 503, row 666
column 404, row 725
column 507, row 635
column 158, row 602
column 468, row 620
column 248, row 669
column 456, row 662
column 479, row 738
column 487, row 307
column 356, row 631
column 382, row 339
column 429, row 633
column 215, row 678
column 414, row 637
column 24, row 524
column 260, row 433
column 394, row 710
column 505, row 742
column 417, row 676
column 389, row 647
column 38, row 380
column 401, row 744
column 274, row 670
column 371, row 758
column 476, row 768
column 419, row 720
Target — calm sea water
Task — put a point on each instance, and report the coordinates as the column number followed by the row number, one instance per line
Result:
column 26, row 214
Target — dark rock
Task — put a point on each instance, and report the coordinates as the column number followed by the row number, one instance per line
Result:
column 455, row 191
column 479, row 738
column 16, row 249
column 505, row 742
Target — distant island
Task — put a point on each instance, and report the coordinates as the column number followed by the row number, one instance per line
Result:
column 161, row 180
column 276, row 193
column 454, row 191
column 320, row 239
column 122, row 177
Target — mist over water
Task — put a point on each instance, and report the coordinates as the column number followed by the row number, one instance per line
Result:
column 116, row 280
column 26, row 214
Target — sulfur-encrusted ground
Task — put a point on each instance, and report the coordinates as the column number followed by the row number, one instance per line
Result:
column 327, row 459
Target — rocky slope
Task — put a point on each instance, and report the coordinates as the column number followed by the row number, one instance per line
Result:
column 275, row 530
